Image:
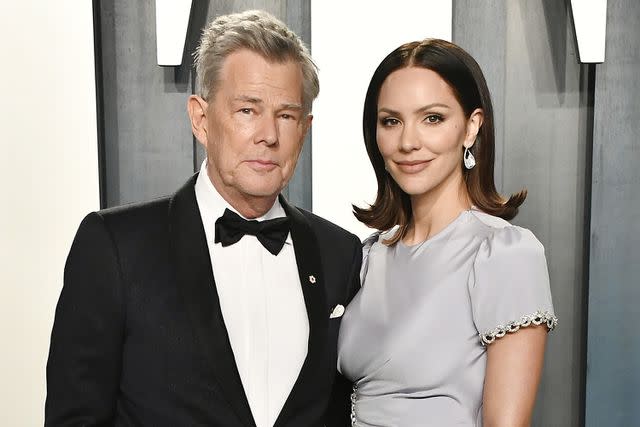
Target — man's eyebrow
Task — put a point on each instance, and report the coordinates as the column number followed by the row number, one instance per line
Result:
column 246, row 98
column 291, row 106
column 253, row 100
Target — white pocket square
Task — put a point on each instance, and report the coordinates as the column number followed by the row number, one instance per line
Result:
column 338, row 311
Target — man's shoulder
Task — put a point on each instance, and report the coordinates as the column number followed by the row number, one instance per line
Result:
column 135, row 229
column 136, row 214
column 135, row 222
column 158, row 209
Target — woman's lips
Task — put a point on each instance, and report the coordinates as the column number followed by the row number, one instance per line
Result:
column 413, row 166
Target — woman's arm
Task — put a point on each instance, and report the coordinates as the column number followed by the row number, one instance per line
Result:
column 514, row 366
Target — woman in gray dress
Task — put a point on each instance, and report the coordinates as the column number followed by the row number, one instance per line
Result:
column 450, row 325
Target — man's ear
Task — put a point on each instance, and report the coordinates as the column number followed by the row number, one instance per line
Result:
column 197, row 109
column 307, row 123
column 473, row 127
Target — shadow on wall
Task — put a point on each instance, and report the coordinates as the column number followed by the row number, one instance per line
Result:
column 182, row 79
column 549, row 54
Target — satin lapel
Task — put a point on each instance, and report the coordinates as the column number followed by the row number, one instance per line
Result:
column 313, row 288
column 195, row 277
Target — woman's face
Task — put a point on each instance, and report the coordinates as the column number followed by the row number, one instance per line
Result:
column 422, row 130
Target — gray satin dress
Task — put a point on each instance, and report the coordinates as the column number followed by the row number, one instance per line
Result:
column 413, row 340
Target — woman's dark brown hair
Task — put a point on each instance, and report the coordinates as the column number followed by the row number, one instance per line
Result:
column 393, row 206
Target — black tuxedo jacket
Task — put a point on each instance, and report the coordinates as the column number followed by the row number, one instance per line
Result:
column 139, row 338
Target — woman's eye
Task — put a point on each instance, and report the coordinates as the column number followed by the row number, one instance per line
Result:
column 433, row 118
column 390, row 121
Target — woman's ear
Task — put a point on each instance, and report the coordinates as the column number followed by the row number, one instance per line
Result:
column 197, row 109
column 473, row 127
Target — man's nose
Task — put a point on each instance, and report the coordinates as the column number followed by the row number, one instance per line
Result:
column 268, row 130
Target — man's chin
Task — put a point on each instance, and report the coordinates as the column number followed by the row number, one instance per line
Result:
column 258, row 185
column 261, row 191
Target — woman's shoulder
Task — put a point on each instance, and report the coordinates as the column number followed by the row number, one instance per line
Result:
column 498, row 233
column 378, row 237
column 371, row 240
column 375, row 239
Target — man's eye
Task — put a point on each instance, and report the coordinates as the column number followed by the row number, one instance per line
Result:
column 286, row 116
column 246, row 110
column 390, row 121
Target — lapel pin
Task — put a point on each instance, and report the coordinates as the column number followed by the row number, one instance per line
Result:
column 338, row 311
column 312, row 279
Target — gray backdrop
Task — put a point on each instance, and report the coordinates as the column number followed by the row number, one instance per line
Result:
column 613, row 357
column 542, row 113
column 565, row 131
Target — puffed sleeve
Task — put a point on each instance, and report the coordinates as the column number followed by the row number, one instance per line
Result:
column 509, row 284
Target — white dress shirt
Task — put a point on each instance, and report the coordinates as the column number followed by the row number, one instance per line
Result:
column 262, row 306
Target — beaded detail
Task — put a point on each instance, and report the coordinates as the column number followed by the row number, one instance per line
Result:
column 354, row 396
column 537, row 318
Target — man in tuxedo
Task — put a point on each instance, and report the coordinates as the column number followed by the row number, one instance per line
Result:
column 221, row 304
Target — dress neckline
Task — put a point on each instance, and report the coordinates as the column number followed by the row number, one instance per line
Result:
column 446, row 230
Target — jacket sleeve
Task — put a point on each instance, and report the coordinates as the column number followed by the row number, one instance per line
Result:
column 83, row 369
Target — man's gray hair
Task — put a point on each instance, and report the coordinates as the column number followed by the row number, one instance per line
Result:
column 259, row 32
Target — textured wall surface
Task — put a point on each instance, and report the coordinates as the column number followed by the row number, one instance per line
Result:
column 542, row 114
column 613, row 357
column 148, row 148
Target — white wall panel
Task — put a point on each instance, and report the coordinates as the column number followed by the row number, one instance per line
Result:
column 349, row 39
column 172, row 21
column 590, row 23
column 48, row 181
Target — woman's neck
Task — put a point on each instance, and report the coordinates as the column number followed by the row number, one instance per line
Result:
column 434, row 210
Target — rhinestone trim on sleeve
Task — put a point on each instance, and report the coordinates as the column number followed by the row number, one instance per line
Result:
column 537, row 318
column 354, row 396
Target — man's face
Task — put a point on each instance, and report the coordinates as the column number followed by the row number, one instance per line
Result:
column 253, row 127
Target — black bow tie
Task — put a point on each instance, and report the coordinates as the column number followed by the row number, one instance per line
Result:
column 272, row 233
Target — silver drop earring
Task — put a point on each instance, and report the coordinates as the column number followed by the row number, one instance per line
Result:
column 469, row 160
